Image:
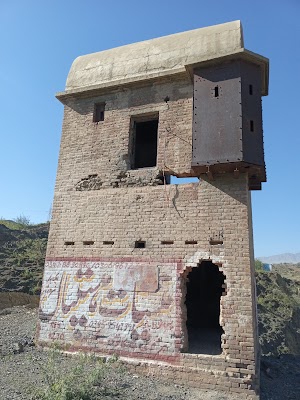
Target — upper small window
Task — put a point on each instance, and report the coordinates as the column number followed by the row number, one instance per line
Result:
column 99, row 112
column 216, row 91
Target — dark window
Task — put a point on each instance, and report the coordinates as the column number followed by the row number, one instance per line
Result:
column 250, row 90
column 144, row 144
column 251, row 125
column 216, row 91
column 99, row 112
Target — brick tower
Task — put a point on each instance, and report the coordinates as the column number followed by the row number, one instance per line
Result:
column 160, row 274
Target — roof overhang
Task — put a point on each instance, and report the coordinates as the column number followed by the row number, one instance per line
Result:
column 161, row 58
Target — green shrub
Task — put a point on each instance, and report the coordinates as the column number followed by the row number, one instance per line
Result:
column 11, row 224
column 84, row 380
column 27, row 274
column 22, row 220
column 258, row 265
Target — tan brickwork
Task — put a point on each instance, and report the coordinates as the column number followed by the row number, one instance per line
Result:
column 103, row 294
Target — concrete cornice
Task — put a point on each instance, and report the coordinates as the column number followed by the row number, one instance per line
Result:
column 161, row 58
column 185, row 71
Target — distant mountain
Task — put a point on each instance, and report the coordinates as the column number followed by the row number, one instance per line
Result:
column 281, row 258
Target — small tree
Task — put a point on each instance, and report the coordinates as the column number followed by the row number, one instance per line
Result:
column 22, row 220
column 258, row 265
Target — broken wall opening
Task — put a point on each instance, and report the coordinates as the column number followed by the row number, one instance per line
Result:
column 179, row 181
column 204, row 288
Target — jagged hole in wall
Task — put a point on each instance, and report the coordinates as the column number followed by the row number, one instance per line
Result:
column 204, row 289
column 181, row 181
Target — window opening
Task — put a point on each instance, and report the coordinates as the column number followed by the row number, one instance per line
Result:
column 67, row 243
column 140, row 244
column 205, row 286
column 250, row 90
column 99, row 112
column 144, row 144
column 251, row 125
column 216, row 91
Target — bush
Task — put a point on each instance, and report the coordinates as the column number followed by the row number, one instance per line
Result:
column 83, row 381
column 22, row 220
column 258, row 265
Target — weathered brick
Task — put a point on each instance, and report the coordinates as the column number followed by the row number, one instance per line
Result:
column 103, row 290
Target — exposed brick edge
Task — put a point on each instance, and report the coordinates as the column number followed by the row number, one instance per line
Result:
column 169, row 359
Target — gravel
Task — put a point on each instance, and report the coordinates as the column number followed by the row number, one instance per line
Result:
column 23, row 369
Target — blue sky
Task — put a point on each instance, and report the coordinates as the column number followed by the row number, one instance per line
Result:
column 40, row 39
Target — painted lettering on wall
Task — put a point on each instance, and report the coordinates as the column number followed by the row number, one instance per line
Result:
column 109, row 305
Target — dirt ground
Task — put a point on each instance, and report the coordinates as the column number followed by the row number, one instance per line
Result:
column 22, row 370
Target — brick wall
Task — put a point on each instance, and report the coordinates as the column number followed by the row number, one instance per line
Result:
column 101, row 293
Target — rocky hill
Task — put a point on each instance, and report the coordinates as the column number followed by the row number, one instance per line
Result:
column 278, row 302
column 22, row 254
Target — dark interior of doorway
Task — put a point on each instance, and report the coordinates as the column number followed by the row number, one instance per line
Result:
column 204, row 290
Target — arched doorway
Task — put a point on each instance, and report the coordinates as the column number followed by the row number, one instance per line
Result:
column 205, row 285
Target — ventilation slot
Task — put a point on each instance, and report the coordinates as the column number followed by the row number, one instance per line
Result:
column 108, row 242
column 251, row 125
column 250, row 90
column 167, row 242
column 69, row 243
column 140, row 244
column 214, row 242
column 191, row 242
column 88, row 242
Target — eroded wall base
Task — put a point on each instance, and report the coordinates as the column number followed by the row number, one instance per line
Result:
column 212, row 373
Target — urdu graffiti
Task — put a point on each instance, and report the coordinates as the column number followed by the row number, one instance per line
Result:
column 109, row 305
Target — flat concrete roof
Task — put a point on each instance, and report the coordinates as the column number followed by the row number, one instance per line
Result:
column 156, row 58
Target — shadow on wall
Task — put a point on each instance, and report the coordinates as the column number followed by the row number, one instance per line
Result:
column 240, row 197
column 124, row 98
